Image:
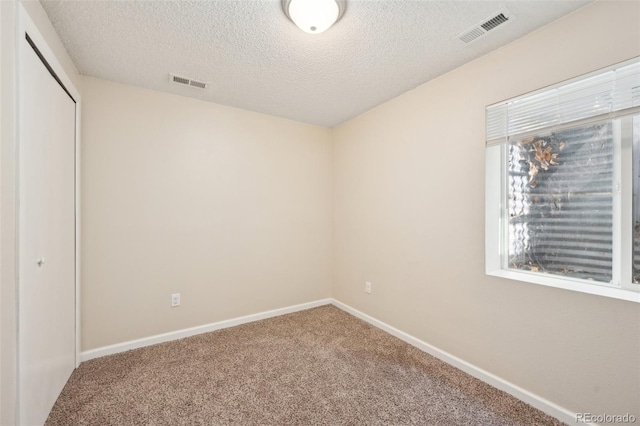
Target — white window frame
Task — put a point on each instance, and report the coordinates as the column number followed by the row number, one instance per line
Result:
column 497, row 221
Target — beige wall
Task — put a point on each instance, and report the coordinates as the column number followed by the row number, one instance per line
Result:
column 230, row 208
column 7, row 184
column 409, row 217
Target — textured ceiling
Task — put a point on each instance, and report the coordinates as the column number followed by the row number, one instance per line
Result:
column 256, row 59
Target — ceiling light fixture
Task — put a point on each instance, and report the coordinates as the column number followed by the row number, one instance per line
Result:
column 314, row 16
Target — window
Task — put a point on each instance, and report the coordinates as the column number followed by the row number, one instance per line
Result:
column 560, row 202
column 563, row 185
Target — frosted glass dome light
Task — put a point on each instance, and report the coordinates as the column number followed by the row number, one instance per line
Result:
column 313, row 16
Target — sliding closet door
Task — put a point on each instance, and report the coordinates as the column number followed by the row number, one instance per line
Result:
column 46, row 328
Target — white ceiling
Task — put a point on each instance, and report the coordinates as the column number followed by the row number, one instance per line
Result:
column 256, row 59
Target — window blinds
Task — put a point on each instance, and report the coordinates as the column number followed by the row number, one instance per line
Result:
column 600, row 95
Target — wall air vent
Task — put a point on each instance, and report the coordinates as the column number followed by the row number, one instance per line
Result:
column 484, row 26
column 187, row 81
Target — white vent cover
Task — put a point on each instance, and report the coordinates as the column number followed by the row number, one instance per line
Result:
column 187, row 81
column 484, row 26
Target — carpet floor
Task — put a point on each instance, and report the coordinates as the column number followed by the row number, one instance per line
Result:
column 322, row 366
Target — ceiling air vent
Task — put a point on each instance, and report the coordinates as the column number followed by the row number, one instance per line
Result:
column 494, row 22
column 187, row 81
column 484, row 26
column 469, row 36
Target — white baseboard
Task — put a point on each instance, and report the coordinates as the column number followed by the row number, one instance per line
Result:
column 530, row 398
column 187, row 332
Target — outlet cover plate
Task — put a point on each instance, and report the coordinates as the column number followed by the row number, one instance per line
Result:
column 175, row 300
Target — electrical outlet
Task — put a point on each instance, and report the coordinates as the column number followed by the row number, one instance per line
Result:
column 175, row 300
column 367, row 287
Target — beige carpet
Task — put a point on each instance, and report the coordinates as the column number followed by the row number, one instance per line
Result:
column 317, row 367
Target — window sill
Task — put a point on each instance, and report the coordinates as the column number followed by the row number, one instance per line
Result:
column 566, row 283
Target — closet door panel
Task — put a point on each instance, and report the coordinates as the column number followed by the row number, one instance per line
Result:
column 46, row 328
